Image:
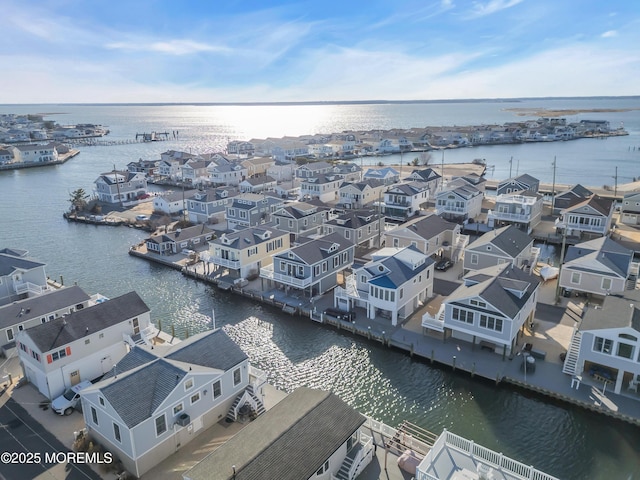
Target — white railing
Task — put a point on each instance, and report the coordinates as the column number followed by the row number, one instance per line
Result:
column 363, row 457
column 479, row 454
column 29, row 287
column 257, row 378
column 580, row 226
column 447, row 208
column 434, row 322
column 225, row 262
column 517, row 199
column 524, row 218
column 634, row 269
column 268, row 273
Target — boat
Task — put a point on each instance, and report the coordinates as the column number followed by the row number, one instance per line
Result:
column 549, row 272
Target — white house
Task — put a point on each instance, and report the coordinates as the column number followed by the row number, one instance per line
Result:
column 403, row 200
column 459, row 200
column 171, row 243
column 37, row 153
column 361, row 194
column 324, row 187
column 172, row 202
column 82, row 345
column 20, row 276
column 523, row 209
column 227, row 174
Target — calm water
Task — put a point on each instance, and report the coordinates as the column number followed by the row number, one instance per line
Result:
column 565, row 442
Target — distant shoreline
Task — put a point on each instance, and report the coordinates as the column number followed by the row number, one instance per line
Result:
column 544, row 112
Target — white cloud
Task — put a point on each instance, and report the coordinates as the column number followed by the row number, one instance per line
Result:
column 610, row 33
column 481, row 9
column 171, row 47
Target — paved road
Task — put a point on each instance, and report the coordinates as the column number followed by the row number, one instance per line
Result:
column 21, row 434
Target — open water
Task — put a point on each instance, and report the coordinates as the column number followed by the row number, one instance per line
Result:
column 564, row 441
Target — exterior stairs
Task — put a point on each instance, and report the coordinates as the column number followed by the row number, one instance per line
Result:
column 571, row 360
column 632, row 280
column 343, row 473
column 138, row 339
column 248, row 397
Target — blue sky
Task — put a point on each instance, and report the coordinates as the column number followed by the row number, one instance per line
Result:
column 69, row 51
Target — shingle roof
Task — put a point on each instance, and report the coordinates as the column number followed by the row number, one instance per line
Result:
column 10, row 263
column 618, row 311
column 213, row 350
column 509, row 239
column 64, row 330
column 602, row 250
column 315, row 250
column 290, row 442
column 397, row 271
column 428, row 227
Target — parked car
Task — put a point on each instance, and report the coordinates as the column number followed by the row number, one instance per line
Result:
column 340, row 314
column 65, row 403
column 444, row 265
column 142, row 218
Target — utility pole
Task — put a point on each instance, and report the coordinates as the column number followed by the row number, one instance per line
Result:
column 115, row 177
column 510, row 166
column 564, row 242
column 553, row 188
column 615, row 177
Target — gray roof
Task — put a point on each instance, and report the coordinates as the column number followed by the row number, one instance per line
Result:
column 316, row 250
column 524, row 179
column 509, row 239
column 290, row 442
column 356, row 218
column 249, row 236
column 182, row 235
column 603, row 250
column 427, row 227
column 398, row 272
column 599, row 204
column 426, row 174
column 212, row 350
column 34, row 307
column 618, row 311
column 136, row 357
column 64, row 330
column 460, row 187
column 10, row 263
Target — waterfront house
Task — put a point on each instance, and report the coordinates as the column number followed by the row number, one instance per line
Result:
column 288, row 149
column 312, row 267
column 504, row 245
column 300, row 218
column 227, row 174
column 195, row 171
column 363, row 227
column 432, row 235
column 82, row 345
column 630, row 209
column 489, row 308
column 571, row 197
column 171, row 243
column 387, row 175
column 517, row 184
column 209, row 205
column 250, row 210
column 239, row 147
column 350, row 171
column 313, row 169
column 324, row 187
column 6, row 156
column 394, row 284
column 19, row 315
column 35, row 153
column 310, row 434
column 257, row 165
column 341, row 148
column 282, row 171
column 589, row 218
column 244, row 252
column 120, row 187
column 172, row 202
column 605, row 345
column 599, row 266
column 257, row 184
column 361, row 194
column 20, row 276
column 404, row 200
column 170, row 163
column 459, row 200
column 522, row 209
column 147, row 167
column 155, row 401
column 429, row 176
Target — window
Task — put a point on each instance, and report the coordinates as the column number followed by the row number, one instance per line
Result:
column 94, row 415
column 116, row 432
column 10, row 334
column 178, row 408
column 101, row 400
column 625, row 350
column 323, row 468
column 195, row 397
column 188, row 384
column 606, row 284
column 575, row 278
column 491, row 323
column 237, row 377
column 477, row 303
column 161, row 425
column 462, row 315
column 474, row 259
column 602, row 345
column 217, row 389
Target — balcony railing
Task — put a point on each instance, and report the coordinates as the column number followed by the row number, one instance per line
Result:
column 514, row 217
column 268, row 273
column 28, row 287
column 583, row 227
column 434, row 322
column 225, row 262
column 448, row 208
column 517, row 199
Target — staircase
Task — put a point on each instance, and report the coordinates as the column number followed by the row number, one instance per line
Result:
column 138, row 339
column 571, row 360
column 248, row 397
column 343, row 473
column 631, row 282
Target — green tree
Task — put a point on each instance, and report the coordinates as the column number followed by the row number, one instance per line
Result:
column 78, row 199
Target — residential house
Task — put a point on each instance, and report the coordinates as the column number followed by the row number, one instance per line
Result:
column 313, row 169
column 432, row 235
column 517, row 184
column 257, row 166
column 387, row 175
column 606, row 344
column 22, row 314
column 209, row 205
column 20, row 276
column 571, row 197
column 429, row 176
column 504, row 245
column 35, row 153
column 146, row 167
column 363, row 227
column 172, row 202
column 459, row 201
column 6, row 156
column 490, row 308
column 522, row 209
column 158, row 400
column 404, row 200
column 313, row 266
column 239, row 147
column 589, row 218
column 259, row 184
column 171, row 243
column 600, row 266
column 228, row 174
column 361, row 194
column 82, row 345
column 244, row 252
column 474, row 179
column 117, row 187
column 195, row 172
column 394, row 284
column 289, row 149
column 341, row 148
column 250, row 210
column 322, row 186
column 282, row 171
column 309, row 435
column 350, row 171
column 170, row 163
column 300, row 218
column 630, row 209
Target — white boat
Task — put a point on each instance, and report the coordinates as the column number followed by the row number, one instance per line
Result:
column 547, row 272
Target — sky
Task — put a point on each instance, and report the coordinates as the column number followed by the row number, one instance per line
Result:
column 208, row 51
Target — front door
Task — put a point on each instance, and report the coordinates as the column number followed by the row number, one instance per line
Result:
column 136, row 326
column 74, row 377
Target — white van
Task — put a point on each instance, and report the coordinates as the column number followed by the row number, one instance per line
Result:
column 65, row 403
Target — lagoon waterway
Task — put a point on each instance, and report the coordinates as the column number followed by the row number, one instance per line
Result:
column 564, row 441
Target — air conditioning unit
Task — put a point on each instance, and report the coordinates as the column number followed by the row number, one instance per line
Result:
column 183, row 420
